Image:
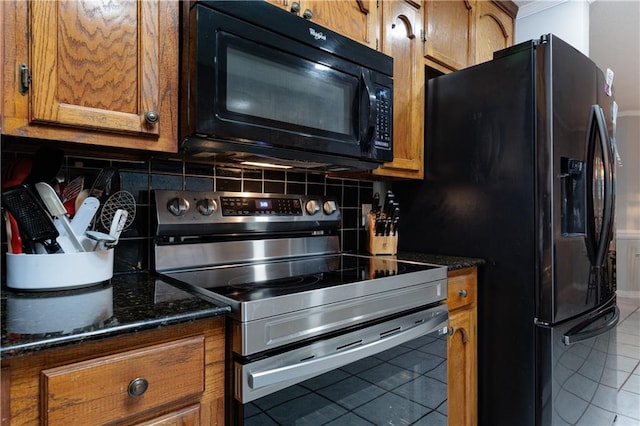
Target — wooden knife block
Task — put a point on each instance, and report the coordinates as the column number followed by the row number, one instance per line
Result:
column 380, row 244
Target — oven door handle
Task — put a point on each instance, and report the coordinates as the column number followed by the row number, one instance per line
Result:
column 316, row 366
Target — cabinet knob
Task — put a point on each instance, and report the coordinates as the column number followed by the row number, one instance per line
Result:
column 462, row 293
column 137, row 387
column 295, row 7
column 307, row 14
column 151, row 117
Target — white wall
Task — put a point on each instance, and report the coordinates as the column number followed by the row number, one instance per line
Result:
column 628, row 205
column 568, row 20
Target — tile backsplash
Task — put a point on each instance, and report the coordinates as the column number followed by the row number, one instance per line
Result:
column 140, row 177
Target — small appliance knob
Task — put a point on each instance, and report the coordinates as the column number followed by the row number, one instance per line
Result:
column 312, row 207
column 178, row 206
column 207, row 206
column 329, row 207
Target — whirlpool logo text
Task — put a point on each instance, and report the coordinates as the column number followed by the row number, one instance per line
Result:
column 317, row 35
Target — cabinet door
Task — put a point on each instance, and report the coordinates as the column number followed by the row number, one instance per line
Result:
column 449, row 32
column 101, row 72
column 95, row 64
column 494, row 30
column 5, row 395
column 461, row 368
column 401, row 29
column 189, row 416
column 356, row 19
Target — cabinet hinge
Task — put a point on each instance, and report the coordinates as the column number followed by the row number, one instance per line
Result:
column 377, row 44
column 423, row 35
column 25, row 78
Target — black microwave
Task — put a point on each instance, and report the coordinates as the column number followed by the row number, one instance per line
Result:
column 260, row 84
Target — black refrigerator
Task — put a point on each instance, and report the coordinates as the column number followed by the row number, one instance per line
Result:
column 519, row 171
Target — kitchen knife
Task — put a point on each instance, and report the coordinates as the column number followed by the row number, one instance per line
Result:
column 56, row 209
column 388, row 203
column 375, row 204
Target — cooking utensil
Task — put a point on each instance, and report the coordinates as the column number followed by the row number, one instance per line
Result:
column 56, row 209
column 118, row 223
column 107, row 182
column 102, row 239
column 14, row 174
column 120, row 200
column 33, row 221
column 81, row 197
column 84, row 215
column 70, row 193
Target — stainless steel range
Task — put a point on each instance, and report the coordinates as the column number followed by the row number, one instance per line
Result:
column 300, row 307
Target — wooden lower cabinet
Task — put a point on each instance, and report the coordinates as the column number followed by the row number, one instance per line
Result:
column 173, row 376
column 462, row 364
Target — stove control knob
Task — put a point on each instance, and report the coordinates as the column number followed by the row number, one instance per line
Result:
column 178, row 206
column 207, row 206
column 329, row 207
column 312, row 207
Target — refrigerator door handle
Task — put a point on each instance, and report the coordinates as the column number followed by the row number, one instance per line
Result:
column 597, row 249
column 578, row 333
column 609, row 179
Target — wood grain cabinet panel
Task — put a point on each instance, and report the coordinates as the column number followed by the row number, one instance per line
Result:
column 117, row 386
column 462, row 348
column 494, row 29
column 97, row 71
column 356, row 19
column 189, row 416
column 5, row 397
column 401, row 39
column 88, row 384
column 449, row 33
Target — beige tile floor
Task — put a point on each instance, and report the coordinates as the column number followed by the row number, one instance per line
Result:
column 628, row 363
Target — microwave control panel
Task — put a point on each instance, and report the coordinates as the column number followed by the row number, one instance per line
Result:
column 383, row 118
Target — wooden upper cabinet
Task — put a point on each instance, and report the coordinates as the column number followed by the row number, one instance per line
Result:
column 494, row 28
column 101, row 72
column 449, row 33
column 356, row 19
column 401, row 29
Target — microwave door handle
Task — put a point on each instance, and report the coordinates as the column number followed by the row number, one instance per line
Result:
column 368, row 118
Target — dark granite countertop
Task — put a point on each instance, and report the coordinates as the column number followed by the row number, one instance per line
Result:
column 35, row 321
column 451, row 262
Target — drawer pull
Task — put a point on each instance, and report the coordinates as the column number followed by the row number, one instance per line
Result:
column 151, row 117
column 462, row 293
column 137, row 387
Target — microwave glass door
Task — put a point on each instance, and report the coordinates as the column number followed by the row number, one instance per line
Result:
column 279, row 91
column 275, row 86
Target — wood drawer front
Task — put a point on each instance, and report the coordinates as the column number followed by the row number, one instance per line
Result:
column 189, row 416
column 461, row 288
column 96, row 391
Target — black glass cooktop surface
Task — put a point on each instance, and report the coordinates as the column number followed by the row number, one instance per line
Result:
column 251, row 282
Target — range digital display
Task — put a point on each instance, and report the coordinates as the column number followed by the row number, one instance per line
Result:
column 263, row 204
